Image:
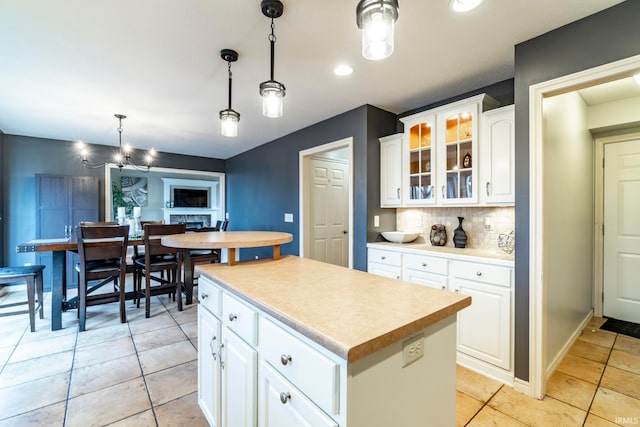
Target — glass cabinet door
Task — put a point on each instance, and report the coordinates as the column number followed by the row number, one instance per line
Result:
column 460, row 142
column 421, row 161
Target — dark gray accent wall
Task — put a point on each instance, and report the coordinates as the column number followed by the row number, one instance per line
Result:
column 2, row 221
column 263, row 183
column 24, row 157
column 605, row 37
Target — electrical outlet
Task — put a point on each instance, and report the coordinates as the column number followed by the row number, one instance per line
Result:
column 376, row 221
column 412, row 349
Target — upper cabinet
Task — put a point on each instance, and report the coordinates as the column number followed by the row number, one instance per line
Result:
column 497, row 151
column 444, row 157
column 391, row 171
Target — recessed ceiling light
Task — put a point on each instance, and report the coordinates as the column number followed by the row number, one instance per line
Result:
column 464, row 5
column 343, row 70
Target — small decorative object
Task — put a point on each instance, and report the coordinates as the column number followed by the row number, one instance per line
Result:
column 507, row 242
column 459, row 236
column 466, row 161
column 438, row 235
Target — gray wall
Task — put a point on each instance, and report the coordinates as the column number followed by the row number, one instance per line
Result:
column 596, row 40
column 24, row 157
column 262, row 184
column 2, row 222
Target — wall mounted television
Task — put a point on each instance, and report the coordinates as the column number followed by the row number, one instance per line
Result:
column 190, row 198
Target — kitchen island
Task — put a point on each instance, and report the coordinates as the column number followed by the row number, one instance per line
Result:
column 298, row 342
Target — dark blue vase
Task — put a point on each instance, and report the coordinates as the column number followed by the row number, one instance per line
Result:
column 459, row 236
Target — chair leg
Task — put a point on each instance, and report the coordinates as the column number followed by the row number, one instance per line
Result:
column 123, row 309
column 31, row 299
column 82, row 306
column 40, row 294
column 147, row 295
column 139, row 290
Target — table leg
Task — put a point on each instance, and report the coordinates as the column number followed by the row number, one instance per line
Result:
column 232, row 256
column 188, row 276
column 58, row 288
column 276, row 251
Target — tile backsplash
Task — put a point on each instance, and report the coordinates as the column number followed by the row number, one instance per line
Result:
column 502, row 220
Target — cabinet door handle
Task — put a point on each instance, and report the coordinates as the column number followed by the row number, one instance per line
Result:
column 285, row 359
column 443, row 192
column 232, row 317
column 398, row 192
column 203, row 296
column 488, row 184
column 284, row 397
column 213, row 353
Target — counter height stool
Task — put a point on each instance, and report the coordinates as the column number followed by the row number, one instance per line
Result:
column 32, row 275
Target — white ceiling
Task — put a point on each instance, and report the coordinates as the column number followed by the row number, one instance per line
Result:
column 67, row 66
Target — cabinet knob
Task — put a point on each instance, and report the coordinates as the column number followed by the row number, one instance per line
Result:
column 284, row 397
column 285, row 359
column 424, row 264
column 444, row 287
column 232, row 317
column 479, row 273
column 203, row 295
column 383, row 257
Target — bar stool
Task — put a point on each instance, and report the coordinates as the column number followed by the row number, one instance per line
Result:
column 32, row 274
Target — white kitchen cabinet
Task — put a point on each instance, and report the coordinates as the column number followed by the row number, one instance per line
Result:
column 227, row 365
column 441, row 160
column 384, row 263
column 484, row 328
column 391, row 171
column 497, row 151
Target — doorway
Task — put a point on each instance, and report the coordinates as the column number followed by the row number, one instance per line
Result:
column 326, row 203
column 618, row 212
column 539, row 241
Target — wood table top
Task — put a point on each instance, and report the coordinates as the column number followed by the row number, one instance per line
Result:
column 226, row 239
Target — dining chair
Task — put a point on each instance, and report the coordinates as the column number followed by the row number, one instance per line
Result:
column 102, row 250
column 224, row 225
column 158, row 259
column 218, row 225
column 138, row 253
column 32, row 276
column 203, row 256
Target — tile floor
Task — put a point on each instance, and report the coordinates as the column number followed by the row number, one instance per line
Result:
column 144, row 373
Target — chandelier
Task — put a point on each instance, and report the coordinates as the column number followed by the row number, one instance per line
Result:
column 122, row 158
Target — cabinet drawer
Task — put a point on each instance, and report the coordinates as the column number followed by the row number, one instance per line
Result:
column 209, row 295
column 240, row 318
column 425, row 263
column 385, row 257
column 384, row 270
column 493, row 274
column 435, row 281
column 313, row 373
column 282, row 404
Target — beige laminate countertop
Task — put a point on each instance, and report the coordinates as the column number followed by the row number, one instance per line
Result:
column 349, row 312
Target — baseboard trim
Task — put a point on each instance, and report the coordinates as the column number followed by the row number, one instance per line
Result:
column 522, row 386
column 567, row 346
column 486, row 369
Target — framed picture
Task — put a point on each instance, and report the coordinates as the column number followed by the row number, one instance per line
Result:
column 134, row 190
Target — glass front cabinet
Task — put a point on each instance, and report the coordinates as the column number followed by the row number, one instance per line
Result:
column 440, row 153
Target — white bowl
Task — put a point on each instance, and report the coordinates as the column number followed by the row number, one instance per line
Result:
column 400, row 236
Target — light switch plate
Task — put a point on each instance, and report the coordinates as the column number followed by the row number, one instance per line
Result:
column 288, row 217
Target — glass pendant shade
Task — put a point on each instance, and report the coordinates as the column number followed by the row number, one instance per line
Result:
column 272, row 93
column 229, row 122
column 377, row 20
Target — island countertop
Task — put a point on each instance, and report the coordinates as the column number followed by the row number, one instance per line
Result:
column 349, row 312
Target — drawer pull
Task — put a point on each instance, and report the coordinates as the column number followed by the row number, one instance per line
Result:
column 444, row 287
column 203, row 296
column 285, row 359
column 232, row 317
column 424, row 264
column 284, row 397
column 479, row 273
column 383, row 257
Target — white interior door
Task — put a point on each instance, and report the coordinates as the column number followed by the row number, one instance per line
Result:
column 329, row 211
column 622, row 231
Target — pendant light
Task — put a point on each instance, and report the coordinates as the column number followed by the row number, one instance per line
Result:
column 376, row 19
column 272, row 92
column 229, row 118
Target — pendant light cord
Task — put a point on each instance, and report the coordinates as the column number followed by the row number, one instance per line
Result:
column 272, row 40
column 230, row 78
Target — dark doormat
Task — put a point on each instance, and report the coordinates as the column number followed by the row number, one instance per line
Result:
column 622, row 327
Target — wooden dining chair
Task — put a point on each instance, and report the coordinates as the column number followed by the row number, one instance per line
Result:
column 203, row 256
column 32, row 276
column 102, row 250
column 138, row 253
column 158, row 259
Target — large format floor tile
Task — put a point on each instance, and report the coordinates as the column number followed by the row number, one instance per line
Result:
column 571, row 390
column 615, row 407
